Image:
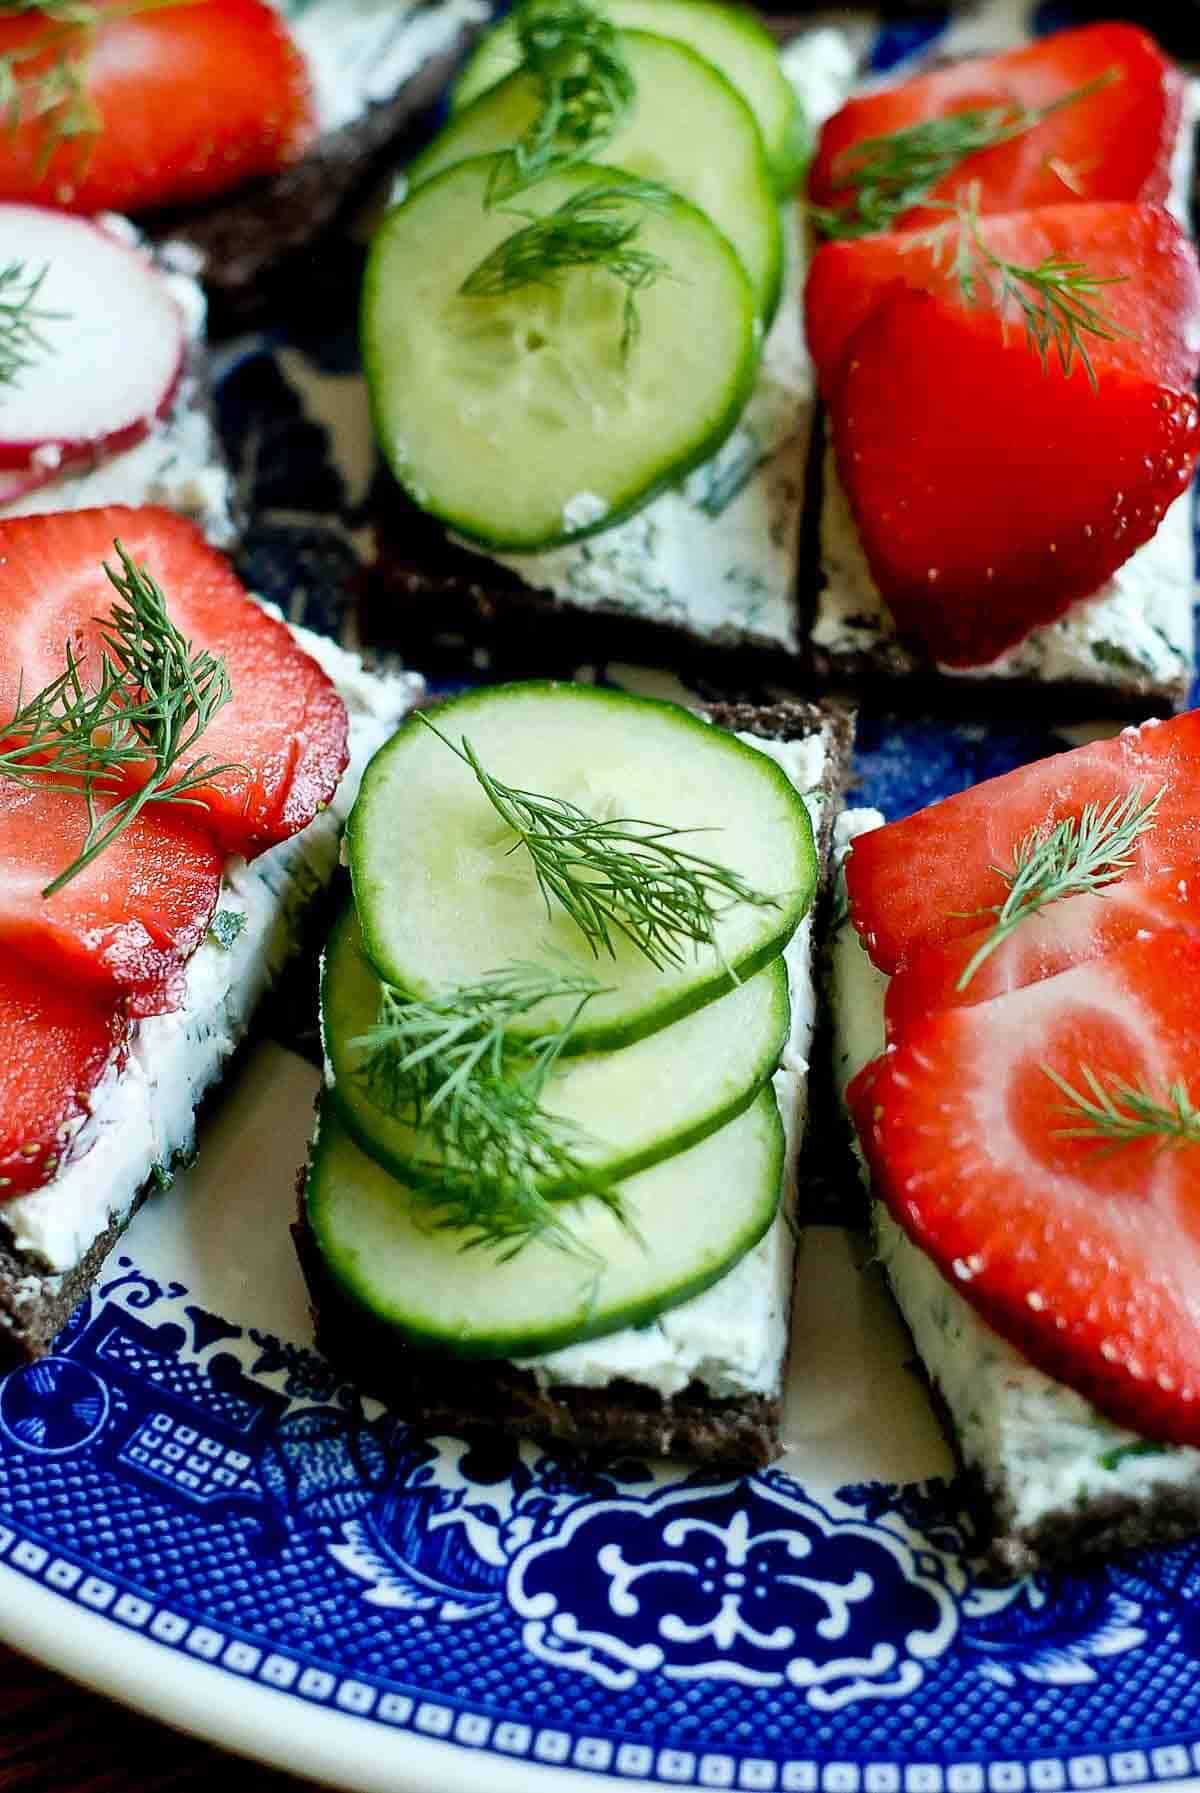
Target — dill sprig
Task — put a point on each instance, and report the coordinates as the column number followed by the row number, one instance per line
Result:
column 886, row 176
column 619, row 879
column 1122, row 1113
column 1079, row 856
column 153, row 698
column 595, row 228
column 498, row 1166
column 585, row 88
column 21, row 318
column 1053, row 297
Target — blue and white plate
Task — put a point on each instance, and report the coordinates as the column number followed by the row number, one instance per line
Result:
column 198, row 1518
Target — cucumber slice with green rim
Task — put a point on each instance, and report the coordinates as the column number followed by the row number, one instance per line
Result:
column 442, row 897
column 519, row 420
column 688, row 128
column 632, row 1108
column 728, row 37
column 694, row 1216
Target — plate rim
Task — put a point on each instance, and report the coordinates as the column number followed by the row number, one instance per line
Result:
column 265, row 1725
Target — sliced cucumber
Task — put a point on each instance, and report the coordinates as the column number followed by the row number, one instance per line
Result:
column 631, row 1108
column 443, row 898
column 520, row 420
column 728, row 37
column 687, row 128
column 694, row 1216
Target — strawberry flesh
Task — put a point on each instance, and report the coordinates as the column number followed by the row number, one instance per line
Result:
column 191, row 100
column 1114, row 143
column 1049, row 941
column 991, row 493
column 930, row 877
column 1154, row 301
column 55, row 1045
column 1083, row 1253
column 284, row 733
column 127, row 924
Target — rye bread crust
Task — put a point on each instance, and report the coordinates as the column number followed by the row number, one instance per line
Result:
column 436, row 1393
column 1072, row 1536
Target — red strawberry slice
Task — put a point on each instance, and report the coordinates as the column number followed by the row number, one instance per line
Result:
column 189, row 100
column 1155, row 302
column 1083, row 1252
column 285, row 728
column 927, row 879
column 55, row 1045
column 974, row 544
column 1064, row 934
column 1114, row 143
column 127, row 924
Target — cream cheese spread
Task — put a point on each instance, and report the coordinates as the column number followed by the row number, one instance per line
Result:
column 179, row 463
column 1137, row 629
column 142, row 1114
column 733, row 1338
column 361, row 52
column 1039, row 1446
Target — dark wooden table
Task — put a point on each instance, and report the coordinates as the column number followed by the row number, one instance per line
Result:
column 54, row 1738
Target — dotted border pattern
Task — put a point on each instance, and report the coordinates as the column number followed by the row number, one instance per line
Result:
column 286, row 1673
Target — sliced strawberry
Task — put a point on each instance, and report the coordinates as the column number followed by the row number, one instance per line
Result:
column 1114, row 143
column 190, row 99
column 126, row 925
column 1154, row 303
column 930, row 877
column 1082, row 1252
column 1062, row 935
column 972, row 545
column 55, row 1045
column 284, row 731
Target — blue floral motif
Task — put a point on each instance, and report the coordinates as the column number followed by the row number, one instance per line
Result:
column 1056, row 1634
column 751, row 1582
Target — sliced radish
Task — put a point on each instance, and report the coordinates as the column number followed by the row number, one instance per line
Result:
column 18, row 482
column 114, row 345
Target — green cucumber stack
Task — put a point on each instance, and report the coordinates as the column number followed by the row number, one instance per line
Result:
column 551, row 1016
column 565, row 314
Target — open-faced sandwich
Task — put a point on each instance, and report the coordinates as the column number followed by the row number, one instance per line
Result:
column 240, row 127
column 175, row 766
column 1002, row 324
column 1007, row 332
column 104, row 389
column 1015, row 998
column 596, row 398
column 567, row 1019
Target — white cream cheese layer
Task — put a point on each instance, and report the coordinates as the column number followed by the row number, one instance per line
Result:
column 1038, row 1445
column 142, row 1115
column 361, row 52
column 733, row 1338
column 179, row 463
column 718, row 556
column 1138, row 627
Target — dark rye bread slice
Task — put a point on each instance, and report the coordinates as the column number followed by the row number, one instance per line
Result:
column 437, row 1393
column 262, row 245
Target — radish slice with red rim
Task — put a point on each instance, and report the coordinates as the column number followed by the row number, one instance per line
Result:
column 108, row 349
